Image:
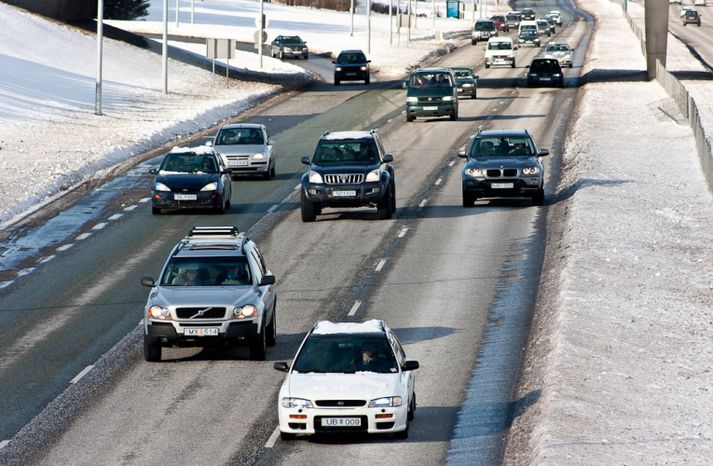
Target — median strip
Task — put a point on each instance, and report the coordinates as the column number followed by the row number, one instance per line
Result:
column 273, row 438
column 81, row 374
column 354, row 308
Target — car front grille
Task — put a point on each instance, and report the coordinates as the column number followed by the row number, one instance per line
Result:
column 429, row 100
column 238, row 156
column 200, row 312
column 501, row 172
column 347, row 178
column 340, row 403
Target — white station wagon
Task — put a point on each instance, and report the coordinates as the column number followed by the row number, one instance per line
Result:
column 348, row 378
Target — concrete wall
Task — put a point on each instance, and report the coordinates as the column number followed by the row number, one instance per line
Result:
column 63, row 10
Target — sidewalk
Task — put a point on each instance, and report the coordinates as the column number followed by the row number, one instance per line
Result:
column 621, row 341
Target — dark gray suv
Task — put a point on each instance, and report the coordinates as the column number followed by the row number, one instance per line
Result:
column 503, row 163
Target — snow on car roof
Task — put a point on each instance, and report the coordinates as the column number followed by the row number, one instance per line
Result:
column 347, row 135
column 326, row 327
column 198, row 150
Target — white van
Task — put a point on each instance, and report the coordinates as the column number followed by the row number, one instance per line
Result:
column 499, row 51
column 529, row 25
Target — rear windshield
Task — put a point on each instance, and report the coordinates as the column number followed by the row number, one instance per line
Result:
column 189, row 163
column 436, row 79
column 207, row 271
column 352, row 150
column 546, row 66
column 516, row 146
column 233, row 136
column 346, row 354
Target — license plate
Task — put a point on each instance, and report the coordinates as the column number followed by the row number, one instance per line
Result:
column 238, row 163
column 200, row 332
column 502, row 185
column 544, row 79
column 185, row 197
column 430, row 108
column 343, row 193
column 341, row 422
column 351, row 74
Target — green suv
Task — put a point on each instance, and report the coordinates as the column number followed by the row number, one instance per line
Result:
column 431, row 92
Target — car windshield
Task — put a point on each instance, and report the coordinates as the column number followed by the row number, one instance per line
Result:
column 350, row 58
column 528, row 29
column 510, row 146
column 543, row 23
column 346, row 353
column 463, row 73
column 436, row 79
column 500, row 45
column 557, row 48
column 206, row 271
column 238, row 136
column 189, row 163
column 545, row 66
column 691, row 13
column 292, row 40
column 349, row 150
column 484, row 26
column 513, row 17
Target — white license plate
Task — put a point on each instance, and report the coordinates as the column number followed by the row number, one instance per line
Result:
column 502, row 185
column 343, row 193
column 201, row 332
column 544, row 79
column 430, row 108
column 238, row 163
column 185, row 197
column 341, row 422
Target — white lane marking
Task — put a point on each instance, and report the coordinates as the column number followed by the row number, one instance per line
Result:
column 141, row 321
column 354, row 308
column 44, row 260
column 273, row 438
column 402, row 233
column 298, row 186
column 439, row 181
column 423, row 203
column 3, row 444
column 83, row 236
column 6, row 284
column 82, row 374
column 380, row 265
column 144, row 200
column 99, row 226
column 26, row 271
column 130, row 208
column 116, row 216
column 452, row 162
column 64, row 247
column 272, row 209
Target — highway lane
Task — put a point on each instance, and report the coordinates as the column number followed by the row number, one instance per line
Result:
column 697, row 38
column 322, row 268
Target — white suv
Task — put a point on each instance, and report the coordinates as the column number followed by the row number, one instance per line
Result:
column 348, row 377
column 499, row 51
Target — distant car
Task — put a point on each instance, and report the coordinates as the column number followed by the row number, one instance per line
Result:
column 483, row 29
column 246, row 148
column 528, row 34
column 561, row 51
column 544, row 71
column 191, row 178
column 528, row 14
column 552, row 24
column 543, row 27
column 684, row 9
column 500, row 23
column 556, row 16
column 513, row 18
column 351, row 65
column 691, row 17
column 466, row 81
column 347, row 378
column 348, row 169
column 431, row 92
column 699, row 2
column 289, row 46
column 499, row 51
column 503, row 163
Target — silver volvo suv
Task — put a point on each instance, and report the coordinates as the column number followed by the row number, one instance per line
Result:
column 214, row 289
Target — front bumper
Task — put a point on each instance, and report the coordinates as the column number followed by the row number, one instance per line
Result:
column 470, row 91
column 173, row 333
column 347, row 195
column 545, row 81
column 294, row 53
column 351, row 75
column 308, row 421
column 515, row 187
column 533, row 42
column 422, row 109
column 203, row 200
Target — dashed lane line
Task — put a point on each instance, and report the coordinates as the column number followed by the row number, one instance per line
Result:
column 84, row 372
column 26, row 271
column 83, row 236
column 452, row 162
column 6, row 284
column 64, row 247
column 380, row 265
column 355, row 308
column 116, row 216
column 402, row 233
column 273, row 438
column 3, row 444
column 423, row 203
column 272, row 209
column 130, row 208
column 438, row 181
column 144, row 200
column 44, row 260
column 99, row 226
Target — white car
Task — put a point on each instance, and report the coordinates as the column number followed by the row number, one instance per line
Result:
column 499, row 51
column 556, row 17
column 561, row 51
column 348, row 377
column 246, row 148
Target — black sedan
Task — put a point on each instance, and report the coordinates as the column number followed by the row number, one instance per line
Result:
column 191, row 178
column 351, row 65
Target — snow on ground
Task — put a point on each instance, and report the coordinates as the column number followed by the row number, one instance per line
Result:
column 50, row 138
column 621, row 343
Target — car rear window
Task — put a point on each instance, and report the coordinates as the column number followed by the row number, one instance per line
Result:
column 342, row 353
column 551, row 66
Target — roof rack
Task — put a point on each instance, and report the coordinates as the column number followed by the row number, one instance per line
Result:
column 214, row 232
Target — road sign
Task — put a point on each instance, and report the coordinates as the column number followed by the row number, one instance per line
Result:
column 256, row 37
column 220, row 48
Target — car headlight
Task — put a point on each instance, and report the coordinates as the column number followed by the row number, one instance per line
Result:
column 210, row 187
column 530, row 170
column 386, row 402
column 245, row 311
column 468, row 85
column 296, row 403
column 474, row 172
column 158, row 312
column 161, row 187
column 259, row 156
column 557, row 75
column 315, row 177
column 534, row 75
column 447, row 98
column 413, row 100
column 339, row 68
column 373, row 175
column 363, row 68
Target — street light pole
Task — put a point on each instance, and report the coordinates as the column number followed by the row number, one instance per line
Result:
column 408, row 35
column 391, row 22
column 164, row 48
column 193, row 10
column 178, row 10
column 100, row 40
column 368, row 27
column 351, row 18
column 259, row 41
column 433, row 14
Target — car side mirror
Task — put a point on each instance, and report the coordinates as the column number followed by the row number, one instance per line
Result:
column 388, row 158
column 368, row 61
column 462, row 154
column 410, row 365
column 147, row 281
column 153, row 171
column 267, row 280
column 305, row 160
column 404, row 85
column 209, row 143
column 281, row 366
column 543, row 152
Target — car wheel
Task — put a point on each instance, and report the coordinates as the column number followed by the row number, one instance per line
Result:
column 272, row 330
column 409, row 117
column 473, row 42
column 412, row 408
column 393, row 196
column 227, row 204
column 513, row 64
column 286, row 436
column 258, row 346
column 156, row 210
column 305, row 56
column 268, row 174
column 152, row 351
column 474, row 95
column 282, row 55
column 454, row 115
column 367, row 80
column 221, row 209
column 384, row 207
column 487, row 65
column 539, row 198
column 307, row 209
column 336, row 82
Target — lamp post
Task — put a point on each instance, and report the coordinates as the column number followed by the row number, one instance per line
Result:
column 391, row 22
column 193, row 10
column 100, row 40
column 408, row 35
column 351, row 18
column 368, row 27
column 164, row 48
column 178, row 10
column 261, row 30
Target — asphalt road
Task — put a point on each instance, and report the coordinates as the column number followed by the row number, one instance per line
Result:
column 695, row 37
column 444, row 268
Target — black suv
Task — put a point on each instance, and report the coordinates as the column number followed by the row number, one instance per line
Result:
column 545, row 71
column 351, row 65
column 348, row 169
